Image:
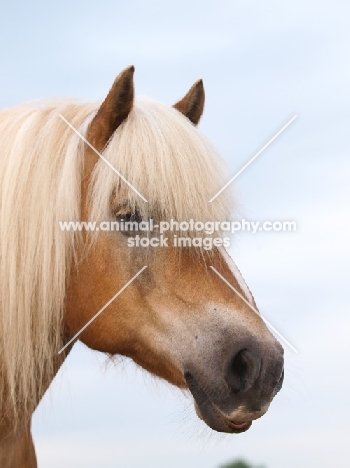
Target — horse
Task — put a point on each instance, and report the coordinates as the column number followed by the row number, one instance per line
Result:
column 176, row 318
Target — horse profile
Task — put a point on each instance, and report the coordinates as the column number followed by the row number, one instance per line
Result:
column 177, row 318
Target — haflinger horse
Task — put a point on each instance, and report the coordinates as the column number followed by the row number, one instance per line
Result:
column 177, row 319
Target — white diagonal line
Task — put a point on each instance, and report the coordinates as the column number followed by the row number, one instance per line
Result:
column 253, row 158
column 254, row 309
column 103, row 158
column 103, row 308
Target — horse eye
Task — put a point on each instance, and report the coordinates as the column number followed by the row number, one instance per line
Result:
column 129, row 216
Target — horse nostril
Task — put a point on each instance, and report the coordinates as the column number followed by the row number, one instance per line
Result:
column 242, row 371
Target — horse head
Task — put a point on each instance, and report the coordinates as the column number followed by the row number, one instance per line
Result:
column 178, row 319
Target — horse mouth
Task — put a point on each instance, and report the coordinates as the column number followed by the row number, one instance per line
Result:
column 210, row 413
column 239, row 426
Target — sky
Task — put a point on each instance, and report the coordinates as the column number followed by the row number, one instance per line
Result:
column 261, row 63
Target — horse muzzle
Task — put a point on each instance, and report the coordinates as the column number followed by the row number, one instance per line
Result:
column 251, row 378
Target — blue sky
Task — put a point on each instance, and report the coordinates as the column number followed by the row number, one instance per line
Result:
column 261, row 62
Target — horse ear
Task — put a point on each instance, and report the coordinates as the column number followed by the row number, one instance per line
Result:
column 114, row 109
column 192, row 104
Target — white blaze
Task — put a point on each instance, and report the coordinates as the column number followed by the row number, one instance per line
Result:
column 237, row 274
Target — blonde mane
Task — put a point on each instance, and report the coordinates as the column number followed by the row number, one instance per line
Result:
column 168, row 161
column 41, row 166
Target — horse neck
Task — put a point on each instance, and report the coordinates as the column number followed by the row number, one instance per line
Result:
column 16, row 444
column 17, row 448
